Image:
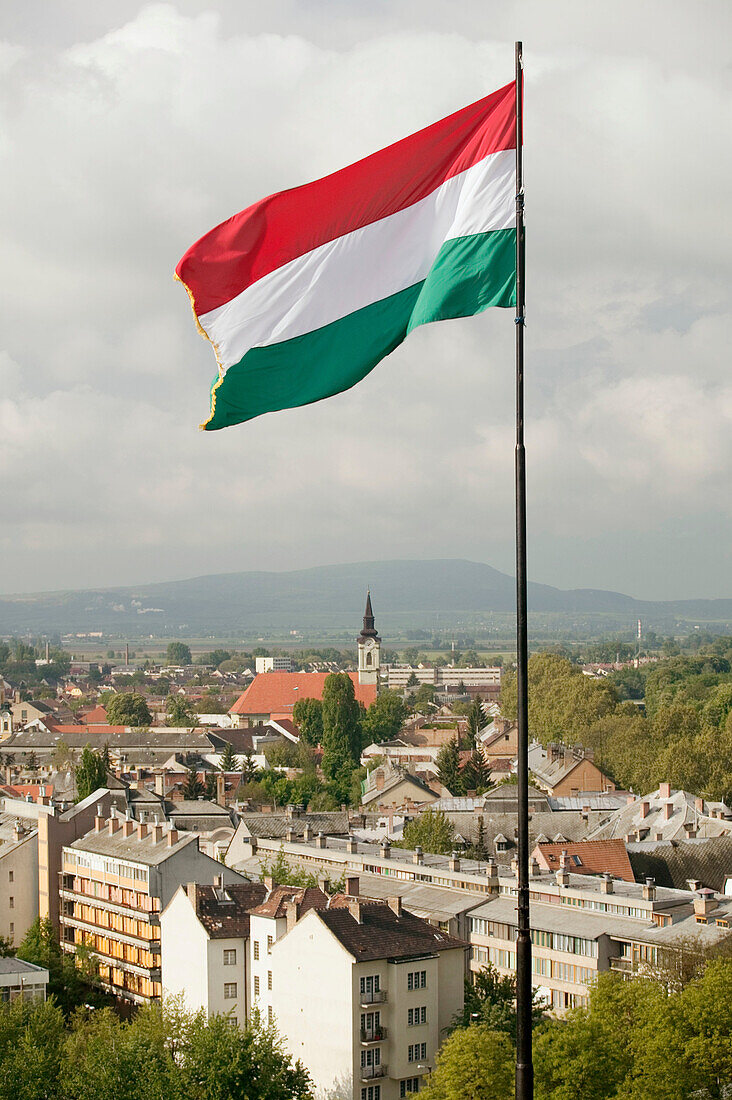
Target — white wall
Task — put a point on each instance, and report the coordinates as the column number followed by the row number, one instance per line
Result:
column 183, row 953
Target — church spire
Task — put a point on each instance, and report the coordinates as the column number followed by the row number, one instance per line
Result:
column 369, row 630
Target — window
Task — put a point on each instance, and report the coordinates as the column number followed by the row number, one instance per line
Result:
column 416, row 1052
column 417, row 979
column 256, row 949
column 230, row 956
column 256, row 985
column 12, row 929
column 270, row 941
column 269, row 979
column 11, row 903
column 373, row 1092
column 270, row 1014
column 371, row 1057
column 417, row 1016
column 409, row 1084
column 11, row 876
column 229, row 991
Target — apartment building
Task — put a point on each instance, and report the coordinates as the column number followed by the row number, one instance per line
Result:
column 114, row 883
column 204, row 939
column 18, row 875
column 362, row 992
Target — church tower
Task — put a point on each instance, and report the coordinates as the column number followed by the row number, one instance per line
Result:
column 369, row 648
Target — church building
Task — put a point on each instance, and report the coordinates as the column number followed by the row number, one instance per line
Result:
column 272, row 695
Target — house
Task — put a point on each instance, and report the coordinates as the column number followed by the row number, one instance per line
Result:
column 115, row 882
column 18, row 874
column 499, row 741
column 362, row 992
column 204, row 936
column 564, row 770
column 586, row 857
column 20, row 980
column 390, row 787
column 272, row 695
column 666, row 814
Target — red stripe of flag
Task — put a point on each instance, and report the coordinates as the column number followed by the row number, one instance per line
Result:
column 290, row 223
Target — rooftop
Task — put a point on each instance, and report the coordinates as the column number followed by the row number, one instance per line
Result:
column 277, row 692
column 380, row 933
column 145, row 850
column 224, row 910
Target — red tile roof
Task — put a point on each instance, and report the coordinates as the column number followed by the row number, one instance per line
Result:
column 275, row 693
column 20, row 790
column 56, row 727
column 596, row 857
column 98, row 715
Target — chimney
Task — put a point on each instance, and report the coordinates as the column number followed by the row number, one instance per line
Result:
column 142, row 831
column 218, row 881
column 491, row 870
column 649, row 889
column 514, row 865
column 352, row 886
column 221, row 790
column 160, row 784
column 379, row 780
column 98, row 821
column 385, row 849
column 534, row 868
column 324, row 883
column 17, row 831
column 307, row 832
column 128, row 826
column 694, row 884
column 292, row 913
column 454, row 862
column 690, row 830
column 290, row 834
column 192, row 891
column 564, row 860
column 606, row 884
column 172, row 836
column 699, row 805
column 704, row 902
column 268, row 883
column 644, row 808
column 395, row 904
column 417, row 856
column 351, row 845
column 562, row 877
column 112, row 825
column 354, row 907
column 629, row 799
column 664, row 790
column 321, row 841
column 668, row 809
column 157, row 833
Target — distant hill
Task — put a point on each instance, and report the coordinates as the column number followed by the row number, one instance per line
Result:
column 422, row 593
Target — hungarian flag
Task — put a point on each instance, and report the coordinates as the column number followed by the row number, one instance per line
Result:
column 303, row 293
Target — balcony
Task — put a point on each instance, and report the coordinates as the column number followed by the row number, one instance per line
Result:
column 625, row 966
column 375, row 997
column 368, row 1073
column 374, row 1034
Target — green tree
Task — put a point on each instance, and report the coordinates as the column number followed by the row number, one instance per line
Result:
column 448, row 768
column 31, row 762
column 490, row 999
column 424, row 699
column 32, row 1039
column 128, row 708
column 180, row 712
column 384, row 718
column 432, row 831
column 71, row 977
column 210, row 786
column 308, row 716
column 475, row 1063
column 91, row 773
column 476, row 718
column 193, row 787
column 228, row 762
column 341, row 724
column 413, row 680
column 178, row 653
column 476, row 775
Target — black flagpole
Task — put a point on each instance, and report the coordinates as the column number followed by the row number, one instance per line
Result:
column 524, row 1065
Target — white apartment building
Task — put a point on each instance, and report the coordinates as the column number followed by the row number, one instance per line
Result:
column 273, row 664
column 361, row 992
column 445, row 676
column 204, row 937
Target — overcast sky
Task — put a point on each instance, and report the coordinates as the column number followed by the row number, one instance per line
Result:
column 127, row 131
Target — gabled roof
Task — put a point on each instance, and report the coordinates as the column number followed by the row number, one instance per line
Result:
column 224, row 910
column 96, row 716
column 381, row 934
column 590, row 857
column 307, row 897
column 276, row 693
column 675, row 862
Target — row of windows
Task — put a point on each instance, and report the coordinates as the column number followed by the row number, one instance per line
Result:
column 93, row 862
column 409, row 1084
column 546, row 968
column 417, row 1016
column 417, row 979
column 257, row 984
column 416, row 1052
column 373, row 1092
